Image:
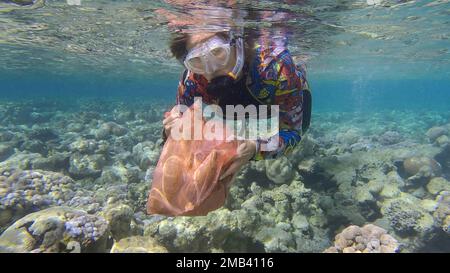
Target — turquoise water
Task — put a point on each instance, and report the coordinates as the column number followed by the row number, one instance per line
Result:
column 380, row 76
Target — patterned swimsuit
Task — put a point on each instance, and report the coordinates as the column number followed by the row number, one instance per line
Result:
column 271, row 78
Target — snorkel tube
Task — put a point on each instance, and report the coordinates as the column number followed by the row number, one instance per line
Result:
column 239, row 42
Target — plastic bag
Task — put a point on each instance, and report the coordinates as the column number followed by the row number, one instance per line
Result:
column 186, row 178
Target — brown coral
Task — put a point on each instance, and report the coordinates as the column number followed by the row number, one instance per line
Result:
column 368, row 239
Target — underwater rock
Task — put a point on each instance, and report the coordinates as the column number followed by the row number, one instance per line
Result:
column 306, row 149
column 122, row 145
column 138, row 244
column 119, row 218
column 75, row 127
column 146, row 154
column 54, row 162
column 82, row 166
column 406, row 216
column 307, row 166
column 36, row 117
column 442, row 141
column 443, row 157
column 34, row 146
column 394, row 178
column 22, row 192
column 391, row 185
column 375, row 186
column 20, row 160
column 84, row 146
column 362, row 195
column 84, row 200
column 368, row 239
column 390, row 138
column 110, row 194
column 148, row 132
column 124, row 116
column 137, row 193
column 110, row 128
column 6, row 136
column 42, row 134
column 89, row 116
column 428, row 205
column 442, row 213
column 364, row 145
column 220, row 230
column 350, row 137
column 284, row 219
column 438, row 184
column 119, row 174
column 280, row 170
column 357, row 180
column 258, row 166
column 422, row 167
column 6, row 150
column 353, row 183
column 390, row 191
column 300, row 222
column 435, row 132
column 150, row 115
column 56, row 229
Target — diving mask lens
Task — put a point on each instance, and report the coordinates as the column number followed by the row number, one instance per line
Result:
column 220, row 55
column 208, row 57
column 195, row 64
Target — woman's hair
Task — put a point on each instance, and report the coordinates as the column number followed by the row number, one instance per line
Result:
column 178, row 46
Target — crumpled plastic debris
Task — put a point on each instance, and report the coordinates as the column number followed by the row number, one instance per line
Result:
column 186, row 179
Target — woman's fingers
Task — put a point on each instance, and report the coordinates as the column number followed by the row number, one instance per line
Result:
column 244, row 153
column 176, row 111
column 168, row 126
column 171, row 119
column 173, row 114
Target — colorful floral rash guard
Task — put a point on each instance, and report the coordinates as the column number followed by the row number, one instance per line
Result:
column 272, row 78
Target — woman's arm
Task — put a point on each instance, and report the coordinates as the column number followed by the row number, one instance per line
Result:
column 287, row 84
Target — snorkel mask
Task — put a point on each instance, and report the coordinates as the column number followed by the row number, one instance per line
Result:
column 214, row 54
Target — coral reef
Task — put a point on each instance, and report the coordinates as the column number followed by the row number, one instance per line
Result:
column 366, row 239
column 94, row 161
column 22, row 192
column 57, row 229
column 119, row 217
column 436, row 132
column 138, row 244
column 422, row 167
column 284, row 219
column 442, row 213
column 109, row 128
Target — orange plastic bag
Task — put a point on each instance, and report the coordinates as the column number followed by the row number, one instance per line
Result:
column 186, row 179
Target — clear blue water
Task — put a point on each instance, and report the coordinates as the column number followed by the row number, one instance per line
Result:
column 358, row 95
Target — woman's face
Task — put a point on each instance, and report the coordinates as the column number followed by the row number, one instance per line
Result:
column 198, row 38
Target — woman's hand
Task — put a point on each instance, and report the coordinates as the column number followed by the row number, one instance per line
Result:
column 245, row 152
column 170, row 119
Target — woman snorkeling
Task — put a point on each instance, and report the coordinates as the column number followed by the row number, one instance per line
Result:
column 225, row 67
